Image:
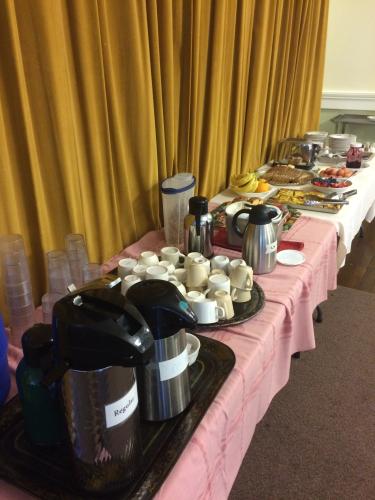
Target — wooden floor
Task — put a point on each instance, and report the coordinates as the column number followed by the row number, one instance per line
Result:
column 359, row 270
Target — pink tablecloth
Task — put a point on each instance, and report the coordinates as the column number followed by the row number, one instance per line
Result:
column 263, row 347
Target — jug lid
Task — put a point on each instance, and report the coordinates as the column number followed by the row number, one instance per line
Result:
column 261, row 215
column 198, row 205
column 37, row 345
column 179, row 183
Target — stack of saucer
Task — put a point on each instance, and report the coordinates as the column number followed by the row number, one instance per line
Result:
column 340, row 143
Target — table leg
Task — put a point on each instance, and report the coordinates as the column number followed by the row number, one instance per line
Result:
column 318, row 315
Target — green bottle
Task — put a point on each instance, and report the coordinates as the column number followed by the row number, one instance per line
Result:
column 44, row 422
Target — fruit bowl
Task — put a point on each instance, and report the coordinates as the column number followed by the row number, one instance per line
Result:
column 331, row 184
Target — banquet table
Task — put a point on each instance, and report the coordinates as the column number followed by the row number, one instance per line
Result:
column 349, row 219
column 263, row 347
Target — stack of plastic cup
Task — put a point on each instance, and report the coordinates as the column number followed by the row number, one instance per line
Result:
column 17, row 286
column 49, row 299
column 77, row 255
column 58, row 269
column 92, row 271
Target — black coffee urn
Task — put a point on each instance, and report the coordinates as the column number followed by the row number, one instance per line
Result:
column 99, row 339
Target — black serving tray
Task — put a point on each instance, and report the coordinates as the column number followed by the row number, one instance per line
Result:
column 48, row 473
column 242, row 311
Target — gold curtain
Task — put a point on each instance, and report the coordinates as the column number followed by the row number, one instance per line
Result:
column 102, row 99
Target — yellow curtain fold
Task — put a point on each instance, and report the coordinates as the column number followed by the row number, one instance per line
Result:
column 100, row 100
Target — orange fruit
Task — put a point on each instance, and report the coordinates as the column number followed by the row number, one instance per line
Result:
column 263, row 186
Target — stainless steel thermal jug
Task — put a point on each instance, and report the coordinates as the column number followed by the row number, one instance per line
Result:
column 198, row 228
column 164, row 385
column 259, row 245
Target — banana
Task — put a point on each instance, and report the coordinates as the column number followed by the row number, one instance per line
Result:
column 244, row 183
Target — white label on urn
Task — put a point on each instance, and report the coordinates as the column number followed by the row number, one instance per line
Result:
column 173, row 367
column 122, row 409
column 271, row 247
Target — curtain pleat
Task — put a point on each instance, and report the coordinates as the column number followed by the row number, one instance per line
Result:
column 101, row 100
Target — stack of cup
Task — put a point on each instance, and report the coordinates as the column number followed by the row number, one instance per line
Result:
column 77, row 255
column 17, row 286
column 58, row 270
column 92, row 271
column 59, row 278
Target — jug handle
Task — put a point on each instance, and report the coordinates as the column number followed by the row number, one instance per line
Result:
column 234, row 221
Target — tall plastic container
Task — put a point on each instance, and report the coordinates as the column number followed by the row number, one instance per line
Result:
column 176, row 192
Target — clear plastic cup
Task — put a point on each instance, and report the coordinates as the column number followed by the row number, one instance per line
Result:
column 176, row 192
column 77, row 255
column 48, row 301
column 11, row 243
column 20, row 320
column 17, row 301
column 92, row 271
column 58, row 269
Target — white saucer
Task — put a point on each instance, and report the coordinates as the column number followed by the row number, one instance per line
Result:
column 290, row 257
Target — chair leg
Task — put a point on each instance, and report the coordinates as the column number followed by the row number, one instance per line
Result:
column 318, row 315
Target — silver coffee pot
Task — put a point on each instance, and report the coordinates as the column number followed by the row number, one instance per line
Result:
column 198, row 228
column 259, row 244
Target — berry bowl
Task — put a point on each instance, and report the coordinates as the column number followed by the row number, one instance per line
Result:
column 331, row 184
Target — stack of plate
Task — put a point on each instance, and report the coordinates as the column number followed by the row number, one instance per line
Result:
column 340, row 143
column 317, row 137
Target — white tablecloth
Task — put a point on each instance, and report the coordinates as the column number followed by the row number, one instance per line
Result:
column 349, row 219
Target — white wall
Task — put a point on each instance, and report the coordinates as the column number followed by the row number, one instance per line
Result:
column 350, row 54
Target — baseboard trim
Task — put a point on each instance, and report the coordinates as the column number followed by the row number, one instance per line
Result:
column 348, row 100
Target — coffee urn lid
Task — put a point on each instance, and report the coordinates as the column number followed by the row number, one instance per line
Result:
column 163, row 307
column 96, row 328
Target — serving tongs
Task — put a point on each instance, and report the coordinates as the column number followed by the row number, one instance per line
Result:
column 332, row 199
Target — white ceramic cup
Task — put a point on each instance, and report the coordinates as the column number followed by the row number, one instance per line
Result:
column 180, row 287
column 157, row 273
column 181, row 275
column 140, row 271
column 190, row 257
column 148, row 258
column 240, row 294
column 126, row 266
column 171, row 268
column 218, row 282
column 224, row 300
column 220, row 262
column 171, row 254
column 204, row 261
column 129, row 281
column 193, row 344
column 217, row 271
column 207, row 311
column 241, row 277
column 195, row 296
column 197, row 275
column 234, row 263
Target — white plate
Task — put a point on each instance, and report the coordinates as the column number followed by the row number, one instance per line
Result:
column 290, row 257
